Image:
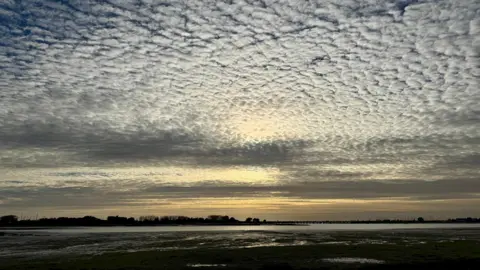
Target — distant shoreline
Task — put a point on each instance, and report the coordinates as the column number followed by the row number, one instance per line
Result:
column 153, row 225
column 33, row 227
column 212, row 220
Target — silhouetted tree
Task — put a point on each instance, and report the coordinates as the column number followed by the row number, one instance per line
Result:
column 148, row 219
column 116, row 220
column 9, row 219
column 420, row 219
column 248, row 220
column 89, row 221
column 216, row 217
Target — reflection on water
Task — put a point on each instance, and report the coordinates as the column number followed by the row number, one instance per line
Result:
column 205, row 265
column 353, row 260
column 43, row 243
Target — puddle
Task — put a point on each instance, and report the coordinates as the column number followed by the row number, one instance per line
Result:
column 374, row 242
column 335, row 243
column 353, row 260
column 205, row 265
column 275, row 244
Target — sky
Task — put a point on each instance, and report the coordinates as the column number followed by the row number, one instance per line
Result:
column 285, row 110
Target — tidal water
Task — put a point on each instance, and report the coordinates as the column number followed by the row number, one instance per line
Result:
column 211, row 228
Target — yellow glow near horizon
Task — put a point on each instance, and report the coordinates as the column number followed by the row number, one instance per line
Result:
column 270, row 208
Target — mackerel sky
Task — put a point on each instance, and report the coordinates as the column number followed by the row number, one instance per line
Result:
column 278, row 109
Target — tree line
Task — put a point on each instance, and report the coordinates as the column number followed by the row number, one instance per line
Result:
column 12, row 220
column 152, row 220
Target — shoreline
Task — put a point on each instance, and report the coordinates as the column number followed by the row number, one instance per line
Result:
column 40, row 227
column 26, row 226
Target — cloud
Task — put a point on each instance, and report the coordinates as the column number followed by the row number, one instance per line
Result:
column 89, row 145
column 167, row 198
column 319, row 90
column 308, row 189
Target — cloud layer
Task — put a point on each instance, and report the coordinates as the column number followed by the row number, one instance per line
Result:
column 379, row 94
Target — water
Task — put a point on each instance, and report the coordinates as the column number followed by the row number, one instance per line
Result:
column 312, row 227
column 353, row 260
column 42, row 242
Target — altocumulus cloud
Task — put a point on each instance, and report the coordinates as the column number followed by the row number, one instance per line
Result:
column 304, row 96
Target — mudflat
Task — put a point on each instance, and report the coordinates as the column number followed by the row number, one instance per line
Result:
column 386, row 249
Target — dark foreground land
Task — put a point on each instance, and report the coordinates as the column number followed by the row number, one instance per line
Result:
column 360, row 250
